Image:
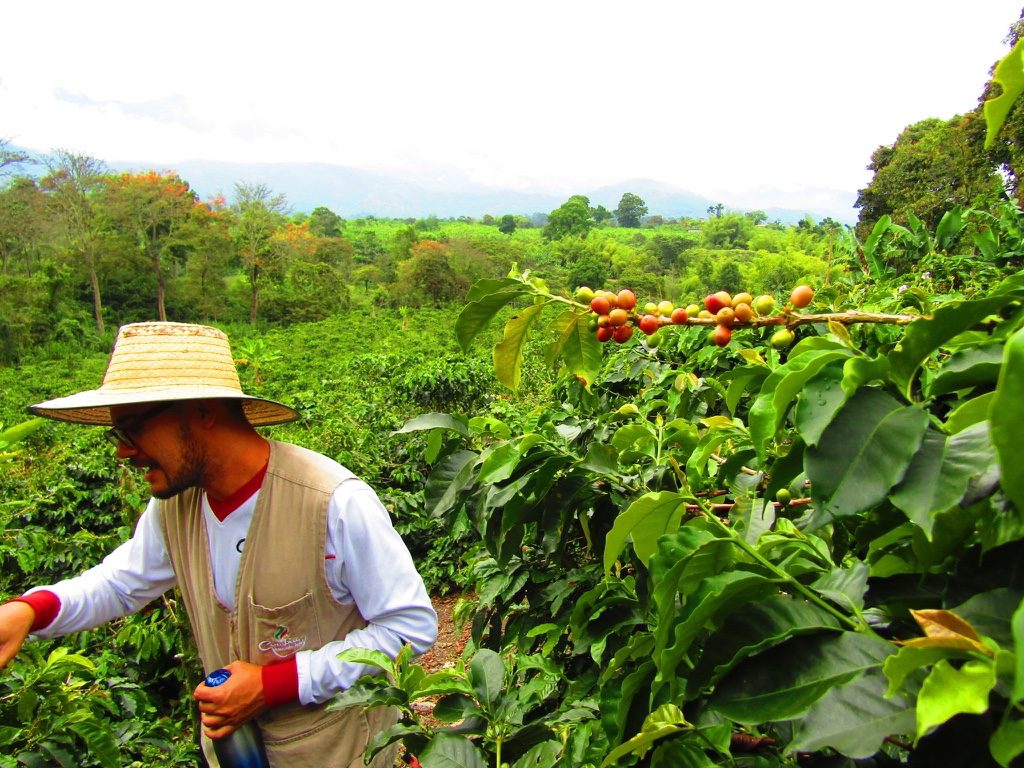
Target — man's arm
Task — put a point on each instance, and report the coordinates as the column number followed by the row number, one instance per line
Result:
column 126, row 580
column 373, row 568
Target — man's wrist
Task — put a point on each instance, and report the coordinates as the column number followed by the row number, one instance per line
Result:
column 280, row 683
column 46, row 605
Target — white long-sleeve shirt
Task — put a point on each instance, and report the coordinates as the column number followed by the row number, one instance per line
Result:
column 366, row 563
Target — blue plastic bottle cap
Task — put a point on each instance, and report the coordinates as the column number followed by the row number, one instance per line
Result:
column 217, row 677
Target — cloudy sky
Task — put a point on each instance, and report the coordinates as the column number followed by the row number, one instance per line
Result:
column 725, row 98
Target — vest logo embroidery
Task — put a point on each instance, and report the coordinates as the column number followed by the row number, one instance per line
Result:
column 281, row 645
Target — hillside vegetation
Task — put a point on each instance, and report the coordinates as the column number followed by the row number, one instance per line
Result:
column 794, row 540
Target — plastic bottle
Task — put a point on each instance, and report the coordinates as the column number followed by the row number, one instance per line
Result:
column 244, row 747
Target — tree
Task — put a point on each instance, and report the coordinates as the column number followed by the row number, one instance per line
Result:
column 259, row 213
column 10, row 158
column 155, row 212
column 427, row 278
column 571, row 218
column 71, row 185
column 715, row 210
column 630, row 211
column 729, row 231
column 601, row 214
column 932, row 166
column 323, row 222
column 508, row 224
column 21, row 224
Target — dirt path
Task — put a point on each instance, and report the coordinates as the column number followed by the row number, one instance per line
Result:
column 450, row 642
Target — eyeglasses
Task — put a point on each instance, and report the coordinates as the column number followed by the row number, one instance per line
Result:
column 123, row 434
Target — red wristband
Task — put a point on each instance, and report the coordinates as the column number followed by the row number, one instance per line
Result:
column 280, row 683
column 46, row 605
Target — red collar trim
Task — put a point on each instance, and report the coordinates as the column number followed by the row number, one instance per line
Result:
column 223, row 507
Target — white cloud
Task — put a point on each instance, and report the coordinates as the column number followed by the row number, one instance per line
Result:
column 731, row 96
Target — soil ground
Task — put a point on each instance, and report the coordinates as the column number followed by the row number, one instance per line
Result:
column 443, row 655
column 450, row 641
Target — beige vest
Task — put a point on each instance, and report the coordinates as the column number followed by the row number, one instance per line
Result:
column 283, row 604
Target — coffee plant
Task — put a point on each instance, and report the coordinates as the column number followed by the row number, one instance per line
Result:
column 751, row 553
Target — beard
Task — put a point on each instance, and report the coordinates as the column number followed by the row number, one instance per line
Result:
column 189, row 472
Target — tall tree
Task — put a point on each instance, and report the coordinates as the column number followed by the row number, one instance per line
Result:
column 427, row 278
column 11, row 158
column 72, row 185
column 259, row 213
column 630, row 211
column 933, row 166
column 573, row 218
column 323, row 222
column 155, row 212
column 22, row 222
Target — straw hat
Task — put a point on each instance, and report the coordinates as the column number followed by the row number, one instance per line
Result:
column 157, row 362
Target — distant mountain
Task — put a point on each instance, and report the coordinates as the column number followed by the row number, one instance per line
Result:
column 353, row 192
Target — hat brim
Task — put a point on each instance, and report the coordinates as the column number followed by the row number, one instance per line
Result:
column 93, row 406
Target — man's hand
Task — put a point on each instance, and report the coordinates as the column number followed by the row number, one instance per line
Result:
column 226, row 707
column 15, row 622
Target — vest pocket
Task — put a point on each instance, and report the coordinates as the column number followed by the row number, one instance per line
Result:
column 279, row 633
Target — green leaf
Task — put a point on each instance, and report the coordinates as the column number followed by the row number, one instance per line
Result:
column 820, row 400
column 780, row 389
column 679, row 753
column 862, row 454
column 854, row 719
column 644, row 521
column 909, row 659
column 449, row 750
column 1007, row 742
column 941, row 472
column 447, row 480
column 770, row 686
column 370, row 658
column 487, row 676
column 947, row 692
column 990, row 613
column 1007, row 417
column 434, row 421
column 19, row 432
column 484, row 300
column 508, row 353
column 600, row 458
column 967, row 367
column 845, row 586
column 577, row 346
column 100, row 740
column 665, row 721
column 759, row 626
column 362, row 695
column 969, row 412
column 858, row 371
column 871, row 245
column 1009, row 74
column 636, row 438
column 716, row 597
column 456, row 707
column 740, row 380
column 499, row 462
column 543, row 755
column 926, row 335
column 1017, row 626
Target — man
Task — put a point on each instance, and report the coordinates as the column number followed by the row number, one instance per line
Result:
column 283, row 557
